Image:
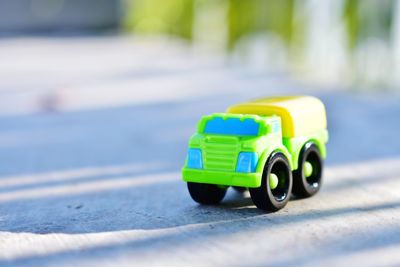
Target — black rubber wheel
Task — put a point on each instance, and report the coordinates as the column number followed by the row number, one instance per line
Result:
column 239, row 189
column 308, row 185
column 273, row 199
column 206, row 194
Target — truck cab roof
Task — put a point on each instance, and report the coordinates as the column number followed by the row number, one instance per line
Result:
column 236, row 124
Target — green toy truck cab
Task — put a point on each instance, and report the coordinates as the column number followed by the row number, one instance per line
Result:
column 273, row 147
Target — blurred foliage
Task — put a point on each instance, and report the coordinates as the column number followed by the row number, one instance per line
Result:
column 351, row 20
column 250, row 16
column 174, row 17
column 362, row 18
column 368, row 18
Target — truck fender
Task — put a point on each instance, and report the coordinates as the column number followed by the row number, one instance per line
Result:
column 321, row 146
column 268, row 152
column 296, row 147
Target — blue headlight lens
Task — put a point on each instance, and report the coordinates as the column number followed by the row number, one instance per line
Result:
column 194, row 159
column 247, row 162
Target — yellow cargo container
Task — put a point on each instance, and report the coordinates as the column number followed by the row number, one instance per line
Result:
column 300, row 115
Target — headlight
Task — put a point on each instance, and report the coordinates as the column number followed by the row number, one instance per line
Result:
column 247, row 162
column 194, row 159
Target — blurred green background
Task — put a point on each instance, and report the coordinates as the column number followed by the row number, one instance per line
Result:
column 285, row 18
column 351, row 43
column 344, row 42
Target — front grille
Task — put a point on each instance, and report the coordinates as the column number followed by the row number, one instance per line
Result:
column 220, row 153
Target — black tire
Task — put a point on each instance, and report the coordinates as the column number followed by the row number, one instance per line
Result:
column 239, row 189
column 308, row 186
column 207, row 194
column 275, row 199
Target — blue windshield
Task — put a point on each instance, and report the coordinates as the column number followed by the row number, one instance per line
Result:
column 233, row 126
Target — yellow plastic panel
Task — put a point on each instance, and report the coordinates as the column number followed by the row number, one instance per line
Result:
column 301, row 115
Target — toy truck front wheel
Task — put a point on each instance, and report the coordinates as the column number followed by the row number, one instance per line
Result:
column 276, row 184
column 207, row 194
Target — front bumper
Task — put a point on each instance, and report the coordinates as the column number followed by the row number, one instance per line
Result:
column 222, row 178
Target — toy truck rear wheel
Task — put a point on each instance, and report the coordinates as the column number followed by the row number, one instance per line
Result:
column 307, row 178
column 276, row 184
column 207, row 194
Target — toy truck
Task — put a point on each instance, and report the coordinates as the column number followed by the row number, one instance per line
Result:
column 274, row 147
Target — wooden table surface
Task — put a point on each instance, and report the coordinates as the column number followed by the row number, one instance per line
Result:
column 93, row 133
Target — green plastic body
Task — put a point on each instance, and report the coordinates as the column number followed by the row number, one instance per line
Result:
column 221, row 168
